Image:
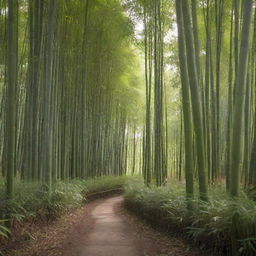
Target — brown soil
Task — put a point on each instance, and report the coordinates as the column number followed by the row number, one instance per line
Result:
column 101, row 228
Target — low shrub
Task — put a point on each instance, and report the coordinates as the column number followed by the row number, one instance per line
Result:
column 34, row 200
column 104, row 184
column 224, row 225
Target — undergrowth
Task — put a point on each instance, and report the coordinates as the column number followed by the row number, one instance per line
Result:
column 104, row 183
column 224, row 225
column 32, row 201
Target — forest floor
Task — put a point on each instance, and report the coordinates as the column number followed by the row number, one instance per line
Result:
column 100, row 228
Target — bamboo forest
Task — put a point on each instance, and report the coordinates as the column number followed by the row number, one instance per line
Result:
column 127, row 127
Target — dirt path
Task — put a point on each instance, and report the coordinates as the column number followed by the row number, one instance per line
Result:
column 110, row 234
column 101, row 228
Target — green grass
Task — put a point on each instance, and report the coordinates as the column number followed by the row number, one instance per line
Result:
column 223, row 225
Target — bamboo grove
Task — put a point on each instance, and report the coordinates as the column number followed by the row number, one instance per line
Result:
column 66, row 70
column 213, row 157
column 83, row 95
column 214, row 54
